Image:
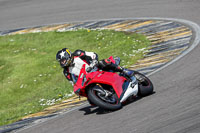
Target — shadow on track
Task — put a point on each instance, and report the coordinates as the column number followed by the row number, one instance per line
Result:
column 99, row 111
column 94, row 109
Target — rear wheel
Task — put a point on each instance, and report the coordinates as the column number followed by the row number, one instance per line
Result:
column 103, row 98
column 145, row 85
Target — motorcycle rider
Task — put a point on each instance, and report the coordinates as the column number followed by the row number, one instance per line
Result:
column 72, row 63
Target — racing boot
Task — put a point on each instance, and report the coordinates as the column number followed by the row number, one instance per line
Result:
column 117, row 61
column 127, row 73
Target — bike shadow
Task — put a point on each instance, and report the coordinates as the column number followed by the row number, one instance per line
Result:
column 135, row 99
column 94, row 109
column 99, row 111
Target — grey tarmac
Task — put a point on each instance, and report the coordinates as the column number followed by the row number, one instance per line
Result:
column 174, row 108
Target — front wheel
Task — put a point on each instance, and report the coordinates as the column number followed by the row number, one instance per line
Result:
column 103, row 98
column 145, row 85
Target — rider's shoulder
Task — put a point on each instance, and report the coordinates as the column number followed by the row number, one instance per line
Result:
column 79, row 52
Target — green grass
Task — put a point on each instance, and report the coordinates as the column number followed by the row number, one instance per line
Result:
column 30, row 77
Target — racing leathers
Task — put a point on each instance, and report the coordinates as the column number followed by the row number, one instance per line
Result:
column 80, row 57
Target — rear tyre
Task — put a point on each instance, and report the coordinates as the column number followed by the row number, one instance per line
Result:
column 145, row 85
column 103, row 98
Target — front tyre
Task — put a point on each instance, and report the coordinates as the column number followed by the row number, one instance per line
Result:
column 145, row 85
column 103, row 98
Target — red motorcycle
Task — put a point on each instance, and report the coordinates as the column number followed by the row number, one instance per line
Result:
column 109, row 90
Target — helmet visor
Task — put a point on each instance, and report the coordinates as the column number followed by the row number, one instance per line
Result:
column 65, row 62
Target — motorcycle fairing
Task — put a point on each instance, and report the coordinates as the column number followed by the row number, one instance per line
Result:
column 109, row 78
column 132, row 89
column 101, row 77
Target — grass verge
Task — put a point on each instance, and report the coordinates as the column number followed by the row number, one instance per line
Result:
column 32, row 80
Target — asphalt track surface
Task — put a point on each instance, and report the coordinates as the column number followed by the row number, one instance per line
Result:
column 175, row 107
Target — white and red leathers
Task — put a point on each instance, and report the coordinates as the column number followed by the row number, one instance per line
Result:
column 80, row 57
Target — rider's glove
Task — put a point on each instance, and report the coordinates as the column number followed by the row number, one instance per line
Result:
column 92, row 65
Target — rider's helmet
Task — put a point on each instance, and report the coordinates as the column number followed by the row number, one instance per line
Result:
column 64, row 56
